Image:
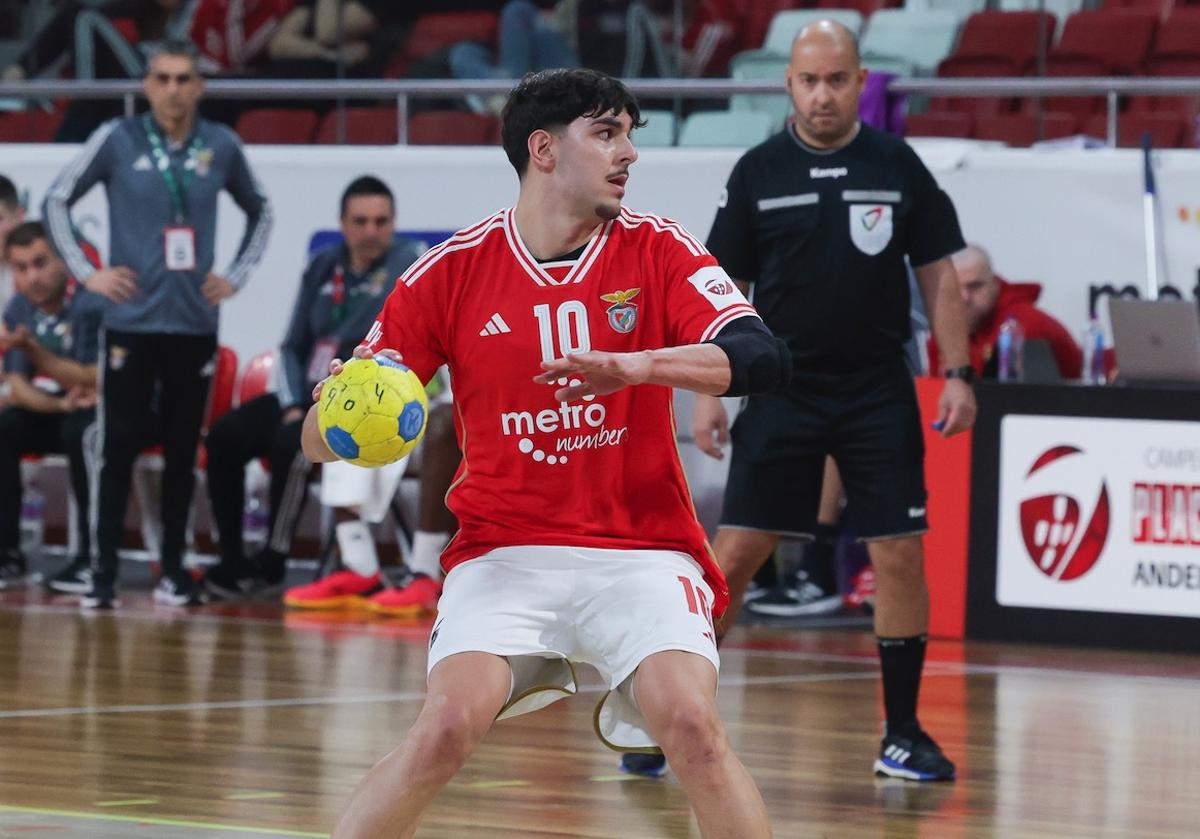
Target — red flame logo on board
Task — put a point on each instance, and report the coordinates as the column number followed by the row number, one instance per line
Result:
column 1050, row 525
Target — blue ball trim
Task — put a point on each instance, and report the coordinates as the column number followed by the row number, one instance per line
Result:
column 384, row 361
column 341, row 443
column 411, row 420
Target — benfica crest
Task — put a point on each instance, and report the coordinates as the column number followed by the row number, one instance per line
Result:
column 622, row 315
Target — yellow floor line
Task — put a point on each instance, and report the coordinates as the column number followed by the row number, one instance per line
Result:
column 111, row 817
column 253, row 796
column 497, row 784
column 126, row 802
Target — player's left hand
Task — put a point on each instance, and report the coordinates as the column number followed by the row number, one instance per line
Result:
column 956, row 407
column 361, row 351
column 600, row 373
column 216, row 288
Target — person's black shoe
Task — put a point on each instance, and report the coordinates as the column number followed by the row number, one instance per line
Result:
column 800, row 596
column 231, row 581
column 179, row 590
column 646, row 765
column 913, row 756
column 100, row 596
column 14, row 572
column 75, row 578
column 270, row 572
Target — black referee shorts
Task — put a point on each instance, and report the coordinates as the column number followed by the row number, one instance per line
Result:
column 866, row 419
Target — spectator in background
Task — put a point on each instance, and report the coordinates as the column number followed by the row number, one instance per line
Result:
column 52, row 333
column 316, row 34
column 990, row 301
column 11, row 215
column 713, row 32
column 342, row 289
column 104, row 40
column 163, row 172
column 232, row 35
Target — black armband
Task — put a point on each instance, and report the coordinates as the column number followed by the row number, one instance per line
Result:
column 758, row 361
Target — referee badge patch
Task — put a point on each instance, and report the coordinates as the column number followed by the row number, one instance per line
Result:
column 871, row 227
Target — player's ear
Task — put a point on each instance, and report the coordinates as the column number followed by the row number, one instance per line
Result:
column 541, row 150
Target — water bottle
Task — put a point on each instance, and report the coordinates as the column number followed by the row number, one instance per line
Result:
column 33, row 521
column 1093, row 354
column 255, row 520
column 1010, row 352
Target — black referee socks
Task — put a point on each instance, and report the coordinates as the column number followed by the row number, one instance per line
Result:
column 901, row 660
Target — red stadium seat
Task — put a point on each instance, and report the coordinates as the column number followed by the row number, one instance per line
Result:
column 32, row 126
column 452, row 128
column 939, row 124
column 1021, row 129
column 276, row 125
column 1011, row 37
column 255, row 379
column 1187, row 107
column 1115, row 41
column 1166, row 131
column 866, row 8
column 1178, row 37
column 1159, row 7
column 364, row 126
column 973, row 68
column 221, row 398
column 436, row 31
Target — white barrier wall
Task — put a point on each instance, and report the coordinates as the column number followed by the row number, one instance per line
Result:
column 1068, row 218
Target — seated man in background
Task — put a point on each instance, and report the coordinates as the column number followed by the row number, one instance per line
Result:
column 11, row 214
column 52, row 333
column 990, row 301
column 342, row 290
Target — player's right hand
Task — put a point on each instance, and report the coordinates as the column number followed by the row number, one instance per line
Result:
column 118, row 283
column 361, row 351
column 710, row 426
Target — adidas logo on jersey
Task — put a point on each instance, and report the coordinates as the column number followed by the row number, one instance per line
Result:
column 142, row 164
column 494, row 326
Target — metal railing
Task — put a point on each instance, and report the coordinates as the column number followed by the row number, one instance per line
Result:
column 403, row 91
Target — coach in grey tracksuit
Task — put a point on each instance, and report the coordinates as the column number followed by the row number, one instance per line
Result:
column 163, row 172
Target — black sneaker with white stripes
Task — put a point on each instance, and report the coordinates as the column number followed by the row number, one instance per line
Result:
column 99, row 596
column 14, row 572
column 913, row 756
column 75, row 578
column 179, row 590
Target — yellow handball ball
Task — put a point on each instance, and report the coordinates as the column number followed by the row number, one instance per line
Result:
column 372, row 413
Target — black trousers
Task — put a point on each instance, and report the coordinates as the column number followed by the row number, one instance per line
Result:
column 24, row 432
column 254, row 430
column 153, row 388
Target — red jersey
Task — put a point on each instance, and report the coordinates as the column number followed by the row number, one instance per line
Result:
column 600, row 472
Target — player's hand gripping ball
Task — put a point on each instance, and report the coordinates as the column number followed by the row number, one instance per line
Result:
column 372, row 413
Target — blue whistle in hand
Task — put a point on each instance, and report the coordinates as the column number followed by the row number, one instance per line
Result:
column 938, row 426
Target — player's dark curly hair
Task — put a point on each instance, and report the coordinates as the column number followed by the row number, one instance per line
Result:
column 552, row 99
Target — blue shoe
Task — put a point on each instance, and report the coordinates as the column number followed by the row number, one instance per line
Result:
column 914, row 757
column 646, row 765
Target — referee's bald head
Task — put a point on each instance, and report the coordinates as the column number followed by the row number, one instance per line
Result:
column 830, row 33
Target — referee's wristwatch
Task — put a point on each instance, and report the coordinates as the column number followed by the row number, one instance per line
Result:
column 966, row 373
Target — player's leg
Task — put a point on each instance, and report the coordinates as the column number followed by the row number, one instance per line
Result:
column 466, row 692
column 185, row 371
column 740, row 553
column 127, row 368
column 676, row 692
column 290, row 474
column 880, row 455
column 233, row 441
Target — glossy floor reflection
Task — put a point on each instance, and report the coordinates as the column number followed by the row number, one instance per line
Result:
column 164, row 723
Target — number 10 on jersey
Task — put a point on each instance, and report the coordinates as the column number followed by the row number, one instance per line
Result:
column 571, row 321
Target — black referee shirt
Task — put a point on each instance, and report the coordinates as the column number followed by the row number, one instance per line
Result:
column 823, row 237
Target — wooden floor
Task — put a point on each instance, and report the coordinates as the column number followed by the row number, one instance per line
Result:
column 154, row 722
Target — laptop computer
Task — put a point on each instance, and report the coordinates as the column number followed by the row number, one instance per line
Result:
column 1156, row 340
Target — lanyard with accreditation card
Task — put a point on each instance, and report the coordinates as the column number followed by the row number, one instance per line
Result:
column 179, row 238
column 325, row 349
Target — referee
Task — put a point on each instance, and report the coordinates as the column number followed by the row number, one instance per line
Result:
column 820, row 219
column 163, row 172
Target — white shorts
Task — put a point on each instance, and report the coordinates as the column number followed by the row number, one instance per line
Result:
column 370, row 490
column 548, row 608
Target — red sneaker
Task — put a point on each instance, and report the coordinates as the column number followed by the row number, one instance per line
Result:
column 413, row 597
column 862, row 590
column 339, row 590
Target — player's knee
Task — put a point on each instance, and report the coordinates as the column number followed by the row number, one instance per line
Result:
column 741, row 553
column 901, row 565
column 449, row 732
column 691, row 733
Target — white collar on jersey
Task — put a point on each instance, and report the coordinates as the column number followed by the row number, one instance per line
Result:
column 536, row 271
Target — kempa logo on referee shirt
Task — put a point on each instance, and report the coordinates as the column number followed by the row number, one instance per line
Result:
column 835, row 173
